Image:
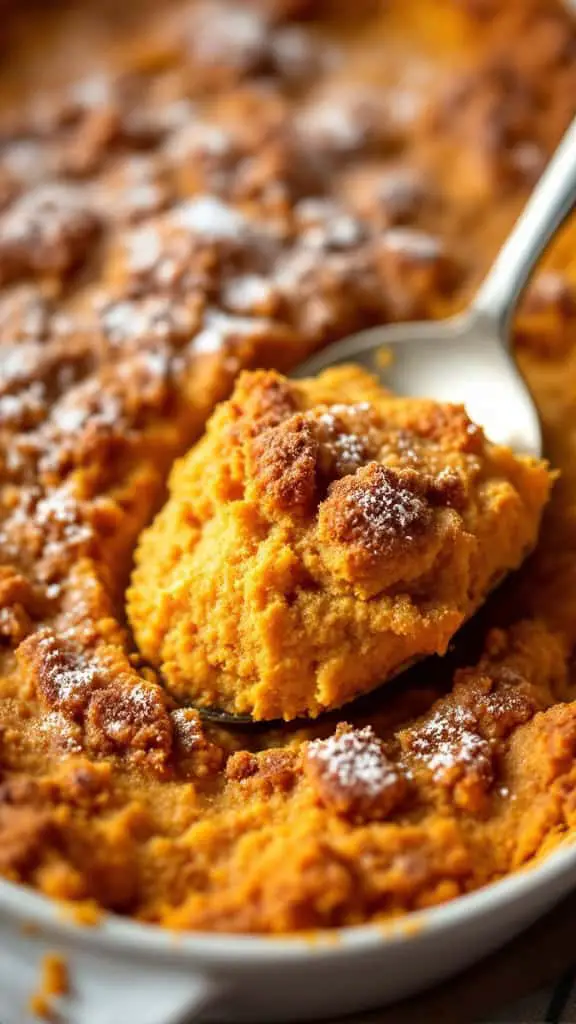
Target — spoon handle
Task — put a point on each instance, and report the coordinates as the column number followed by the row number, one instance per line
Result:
column 548, row 206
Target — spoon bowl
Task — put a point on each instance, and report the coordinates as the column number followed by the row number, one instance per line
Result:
column 466, row 359
column 457, row 360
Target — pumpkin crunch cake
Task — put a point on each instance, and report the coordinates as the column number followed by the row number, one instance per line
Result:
column 189, row 190
column 321, row 536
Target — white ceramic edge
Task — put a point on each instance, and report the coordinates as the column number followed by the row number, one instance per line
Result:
column 114, row 933
column 123, row 972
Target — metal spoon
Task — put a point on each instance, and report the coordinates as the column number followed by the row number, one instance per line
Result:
column 467, row 358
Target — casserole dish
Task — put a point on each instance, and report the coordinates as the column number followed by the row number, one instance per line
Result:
column 123, row 970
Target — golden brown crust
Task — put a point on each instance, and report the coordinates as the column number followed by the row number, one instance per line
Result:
column 282, row 462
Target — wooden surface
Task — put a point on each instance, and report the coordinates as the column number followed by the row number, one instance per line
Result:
column 538, row 957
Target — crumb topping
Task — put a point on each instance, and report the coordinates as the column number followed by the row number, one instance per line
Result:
column 354, row 774
column 47, row 231
column 375, row 509
column 448, row 742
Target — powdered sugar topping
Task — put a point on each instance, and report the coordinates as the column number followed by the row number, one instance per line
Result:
column 449, row 741
column 48, row 209
column 347, row 447
column 144, row 248
column 387, row 509
column 207, row 215
column 187, row 729
column 410, row 242
column 67, row 678
column 154, row 317
column 247, row 292
column 220, row 329
column 228, row 32
column 354, row 760
column 141, row 701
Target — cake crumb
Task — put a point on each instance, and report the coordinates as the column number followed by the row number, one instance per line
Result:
column 54, row 982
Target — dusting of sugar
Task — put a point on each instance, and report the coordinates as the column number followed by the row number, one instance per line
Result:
column 326, row 225
column 347, row 447
column 388, row 510
column 144, row 248
column 143, row 191
column 187, row 729
column 341, row 233
column 230, row 32
column 447, row 740
column 137, row 706
column 122, row 321
column 349, row 450
column 84, row 404
column 294, row 50
column 316, row 210
column 60, row 508
column 24, row 315
column 93, row 91
column 154, row 317
column 146, row 197
column 219, row 329
column 354, row 760
column 18, row 361
column 335, row 123
column 70, row 678
column 295, row 267
column 11, row 407
column 25, row 160
column 156, row 363
column 243, row 294
column 47, row 209
column 57, row 727
column 71, row 418
column 210, row 216
column 167, row 272
column 400, row 183
column 62, row 324
column 30, row 402
column 174, row 115
column 411, row 242
column 340, row 409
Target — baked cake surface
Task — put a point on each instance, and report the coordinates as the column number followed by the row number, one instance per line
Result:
column 188, row 190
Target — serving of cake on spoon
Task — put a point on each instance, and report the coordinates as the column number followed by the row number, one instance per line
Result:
column 320, row 537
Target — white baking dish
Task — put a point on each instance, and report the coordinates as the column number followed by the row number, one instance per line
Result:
column 125, row 973
column 122, row 972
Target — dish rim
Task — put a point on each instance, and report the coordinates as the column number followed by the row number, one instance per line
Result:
column 115, row 933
